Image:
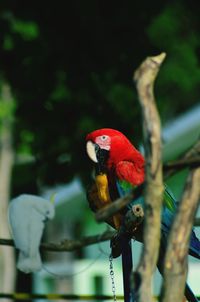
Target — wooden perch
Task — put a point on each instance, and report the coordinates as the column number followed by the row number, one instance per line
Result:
column 111, row 209
column 132, row 219
column 190, row 159
column 175, row 266
column 175, row 165
column 144, row 77
column 69, row 245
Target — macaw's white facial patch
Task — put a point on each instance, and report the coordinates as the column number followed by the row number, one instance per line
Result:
column 90, row 148
column 103, row 141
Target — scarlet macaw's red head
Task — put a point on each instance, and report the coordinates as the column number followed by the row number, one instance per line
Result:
column 112, row 150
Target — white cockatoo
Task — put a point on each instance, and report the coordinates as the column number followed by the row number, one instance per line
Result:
column 27, row 216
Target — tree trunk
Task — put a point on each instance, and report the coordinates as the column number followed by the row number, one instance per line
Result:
column 7, row 256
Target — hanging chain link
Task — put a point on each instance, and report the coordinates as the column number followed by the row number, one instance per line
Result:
column 112, row 276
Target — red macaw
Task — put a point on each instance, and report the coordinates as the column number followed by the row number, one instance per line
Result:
column 120, row 167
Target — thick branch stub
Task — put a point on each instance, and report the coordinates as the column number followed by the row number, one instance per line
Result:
column 134, row 218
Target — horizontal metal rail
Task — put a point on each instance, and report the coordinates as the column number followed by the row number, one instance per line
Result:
column 27, row 296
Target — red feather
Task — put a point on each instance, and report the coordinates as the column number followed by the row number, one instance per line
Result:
column 130, row 172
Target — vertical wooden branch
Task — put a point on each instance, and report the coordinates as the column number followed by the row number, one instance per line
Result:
column 175, row 266
column 144, row 77
column 7, row 257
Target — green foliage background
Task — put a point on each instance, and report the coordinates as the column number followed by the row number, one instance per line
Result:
column 70, row 67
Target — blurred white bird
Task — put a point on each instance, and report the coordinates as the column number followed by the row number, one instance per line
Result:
column 27, row 215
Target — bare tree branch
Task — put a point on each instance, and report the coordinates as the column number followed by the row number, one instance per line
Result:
column 114, row 207
column 144, row 77
column 181, row 164
column 133, row 218
column 175, row 266
column 69, row 245
column 190, row 159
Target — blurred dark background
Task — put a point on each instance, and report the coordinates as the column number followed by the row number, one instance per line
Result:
column 70, row 64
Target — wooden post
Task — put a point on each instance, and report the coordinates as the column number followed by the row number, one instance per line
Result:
column 144, row 77
column 175, row 266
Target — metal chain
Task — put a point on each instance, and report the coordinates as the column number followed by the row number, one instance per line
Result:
column 112, row 276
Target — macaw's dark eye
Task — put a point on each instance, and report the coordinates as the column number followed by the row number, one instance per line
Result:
column 103, row 137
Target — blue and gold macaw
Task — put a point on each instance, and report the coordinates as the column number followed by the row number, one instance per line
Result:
column 119, row 169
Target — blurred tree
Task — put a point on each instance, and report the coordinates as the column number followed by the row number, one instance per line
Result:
column 7, row 255
column 176, row 31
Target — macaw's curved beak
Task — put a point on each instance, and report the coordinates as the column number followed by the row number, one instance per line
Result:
column 97, row 155
column 91, row 151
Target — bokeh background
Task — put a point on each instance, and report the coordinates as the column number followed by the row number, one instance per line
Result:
column 68, row 68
